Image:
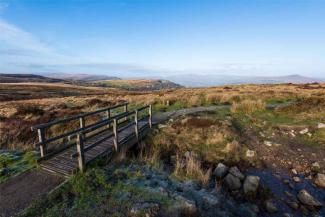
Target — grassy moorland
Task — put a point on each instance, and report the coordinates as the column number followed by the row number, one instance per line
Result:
column 139, row 84
column 175, row 171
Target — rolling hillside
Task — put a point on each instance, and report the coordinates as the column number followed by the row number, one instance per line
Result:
column 19, row 78
column 141, row 84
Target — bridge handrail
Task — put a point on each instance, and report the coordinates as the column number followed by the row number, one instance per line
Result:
column 81, row 149
column 41, row 127
column 75, row 117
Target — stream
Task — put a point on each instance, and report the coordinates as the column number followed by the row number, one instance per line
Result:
column 278, row 188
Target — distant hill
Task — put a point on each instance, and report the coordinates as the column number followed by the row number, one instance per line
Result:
column 195, row 80
column 139, row 84
column 19, row 78
column 81, row 77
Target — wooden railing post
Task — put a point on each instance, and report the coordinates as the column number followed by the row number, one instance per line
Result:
column 108, row 115
column 81, row 156
column 136, row 125
column 150, row 116
column 82, row 125
column 41, row 138
column 115, row 131
column 125, row 110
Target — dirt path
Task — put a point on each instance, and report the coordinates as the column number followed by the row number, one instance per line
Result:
column 17, row 193
column 162, row 117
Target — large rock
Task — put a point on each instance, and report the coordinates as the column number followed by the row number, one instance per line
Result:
column 232, row 182
column 236, row 172
column 320, row 180
column 251, row 184
column 305, row 198
column 221, row 170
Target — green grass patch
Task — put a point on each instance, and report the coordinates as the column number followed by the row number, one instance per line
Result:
column 99, row 192
column 12, row 163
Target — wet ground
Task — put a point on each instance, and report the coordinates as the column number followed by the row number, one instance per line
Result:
column 278, row 188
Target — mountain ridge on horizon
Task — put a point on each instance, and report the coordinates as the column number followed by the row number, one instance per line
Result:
column 187, row 80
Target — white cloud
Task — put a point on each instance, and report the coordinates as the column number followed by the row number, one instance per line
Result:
column 15, row 38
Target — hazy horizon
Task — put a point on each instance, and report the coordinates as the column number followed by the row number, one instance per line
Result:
column 163, row 38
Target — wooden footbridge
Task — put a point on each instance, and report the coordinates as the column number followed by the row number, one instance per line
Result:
column 71, row 151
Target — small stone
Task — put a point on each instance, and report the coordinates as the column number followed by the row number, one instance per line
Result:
column 255, row 208
column 160, row 126
column 286, row 215
column 250, row 185
column 288, row 194
column 320, row 125
column 209, row 200
column 296, row 179
column 236, row 172
column 232, row 182
column 286, row 181
column 292, row 204
column 268, row 143
column 221, row 170
column 291, row 185
column 304, row 131
column 270, row 207
column 189, row 186
column 294, row 171
column 315, row 167
column 188, row 205
column 250, row 153
column 320, row 180
column 305, row 198
column 148, row 209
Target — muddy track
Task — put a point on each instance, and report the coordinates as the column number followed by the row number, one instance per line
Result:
column 17, row 193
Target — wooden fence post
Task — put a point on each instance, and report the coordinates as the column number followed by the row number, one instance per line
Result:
column 108, row 115
column 125, row 110
column 41, row 138
column 150, row 116
column 81, row 156
column 115, row 131
column 136, row 125
column 82, row 125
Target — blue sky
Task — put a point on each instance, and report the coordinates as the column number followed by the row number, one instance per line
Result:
column 162, row 37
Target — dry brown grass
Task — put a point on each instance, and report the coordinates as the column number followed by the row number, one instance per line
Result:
column 59, row 100
column 247, row 106
column 191, row 168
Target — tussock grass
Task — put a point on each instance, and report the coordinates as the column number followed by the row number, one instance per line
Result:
column 247, row 106
column 191, row 168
